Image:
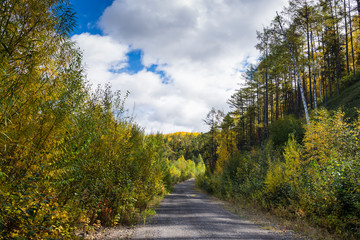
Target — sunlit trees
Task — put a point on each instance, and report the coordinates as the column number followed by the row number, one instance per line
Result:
column 41, row 85
column 266, row 153
column 304, row 58
column 213, row 120
column 70, row 157
column 183, row 152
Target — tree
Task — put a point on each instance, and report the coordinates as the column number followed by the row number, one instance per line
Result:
column 213, row 120
column 296, row 69
column 41, row 86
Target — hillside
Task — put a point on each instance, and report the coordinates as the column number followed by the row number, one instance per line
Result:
column 348, row 100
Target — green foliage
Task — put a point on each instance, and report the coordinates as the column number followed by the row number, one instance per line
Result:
column 348, row 100
column 147, row 213
column 93, row 168
column 181, row 169
column 283, row 174
column 177, row 148
column 110, row 164
column 182, row 144
column 70, row 159
column 332, row 169
column 242, row 175
column 264, row 153
column 208, row 181
column 282, row 128
column 316, row 179
column 41, row 85
column 350, row 80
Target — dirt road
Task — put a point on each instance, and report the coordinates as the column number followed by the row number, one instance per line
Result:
column 189, row 214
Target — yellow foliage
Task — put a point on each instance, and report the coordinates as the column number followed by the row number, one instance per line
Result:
column 182, row 134
column 226, row 149
column 175, row 172
column 275, row 177
column 69, row 157
column 293, row 161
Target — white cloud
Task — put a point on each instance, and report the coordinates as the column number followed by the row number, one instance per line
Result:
column 198, row 30
column 200, row 44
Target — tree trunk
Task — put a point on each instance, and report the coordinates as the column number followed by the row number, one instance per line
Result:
column 259, row 110
column 313, row 69
column 296, row 96
column 320, row 86
column 308, row 48
column 346, row 40
column 325, row 88
column 266, row 106
column 320, row 74
column 351, row 40
column 276, row 99
column 296, row 69
column 325, row 60
column 329, row 72
column 267, row 103
column 337, row 46
column 303, row 80
column 271, row 102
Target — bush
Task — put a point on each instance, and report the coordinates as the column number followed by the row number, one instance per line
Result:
column 282, row 128
column 181, row 169
column 282, row 180
column 316, row 178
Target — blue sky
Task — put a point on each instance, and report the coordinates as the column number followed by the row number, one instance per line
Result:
column 88, row 14
column 178, row 58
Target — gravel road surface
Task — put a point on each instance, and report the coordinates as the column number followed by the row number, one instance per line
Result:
column 188, row 214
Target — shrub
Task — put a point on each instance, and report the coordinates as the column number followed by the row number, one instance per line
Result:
column 181, row 169
column 332, row 153
column 282, row 128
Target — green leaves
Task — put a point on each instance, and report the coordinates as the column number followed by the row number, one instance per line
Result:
column 315, row 176
column 70, row 158
column 3, row 176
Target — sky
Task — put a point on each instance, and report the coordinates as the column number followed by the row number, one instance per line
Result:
column 177, row 58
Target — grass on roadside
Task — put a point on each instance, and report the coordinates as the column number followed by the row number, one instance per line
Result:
column 279, row 220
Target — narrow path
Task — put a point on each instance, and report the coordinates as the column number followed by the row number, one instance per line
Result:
column 189, row 214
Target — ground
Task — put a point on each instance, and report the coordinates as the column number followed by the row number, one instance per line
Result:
column 187, row 213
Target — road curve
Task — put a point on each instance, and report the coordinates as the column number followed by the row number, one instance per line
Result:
column 188, row 214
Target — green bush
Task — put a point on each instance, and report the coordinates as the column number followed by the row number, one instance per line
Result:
column 316, row 178
column 181, row 169
column 282, row 128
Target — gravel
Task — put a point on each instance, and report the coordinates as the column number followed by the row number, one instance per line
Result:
column 187, row 213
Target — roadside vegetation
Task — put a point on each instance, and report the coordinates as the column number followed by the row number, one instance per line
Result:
column 314, row 178
column 290, row 144
column 71, row 158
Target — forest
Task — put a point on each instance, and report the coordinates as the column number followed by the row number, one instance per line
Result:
column 73, row 159
column 290, row 143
